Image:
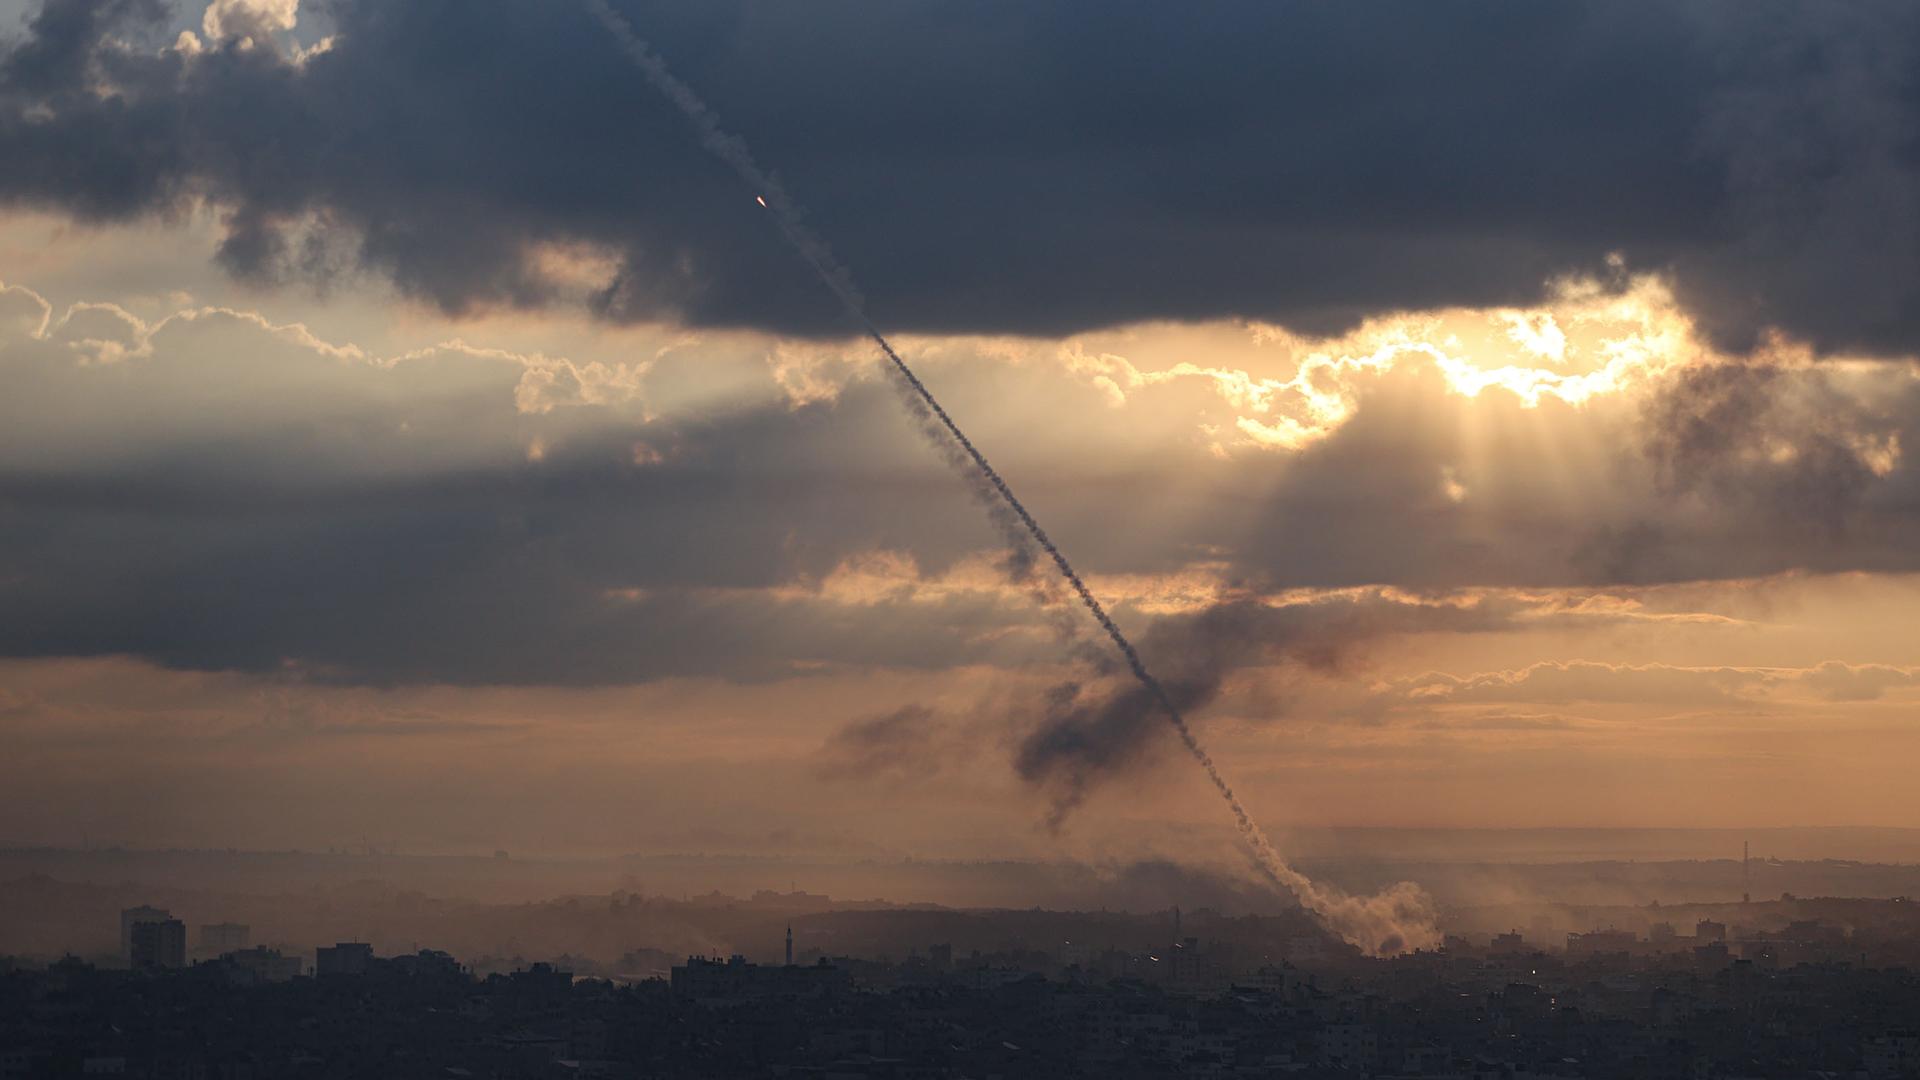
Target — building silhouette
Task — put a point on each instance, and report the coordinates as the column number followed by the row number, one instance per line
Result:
column 249, row 967
column 133, row 915
column 158, row 944
column 736, row 980
column 343, row 958
column 226, row 937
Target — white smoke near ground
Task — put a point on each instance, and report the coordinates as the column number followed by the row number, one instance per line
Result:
column 1395, row 920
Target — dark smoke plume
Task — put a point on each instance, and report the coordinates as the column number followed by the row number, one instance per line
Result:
column 1771, row 441
column 895, row 744
column 1395, row 920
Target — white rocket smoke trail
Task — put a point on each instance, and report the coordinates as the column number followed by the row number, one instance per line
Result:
column 1397, row 919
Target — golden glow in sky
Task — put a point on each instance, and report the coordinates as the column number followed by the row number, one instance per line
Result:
column 1471, row 564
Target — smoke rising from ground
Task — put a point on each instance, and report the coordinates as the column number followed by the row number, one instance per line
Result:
column 1397, row 919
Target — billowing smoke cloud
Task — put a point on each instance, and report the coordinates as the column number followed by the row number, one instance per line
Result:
column 1397, row 919
column 1088, row 732
column 896, row 744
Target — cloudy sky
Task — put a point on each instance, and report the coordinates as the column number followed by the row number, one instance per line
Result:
column 1483, row 415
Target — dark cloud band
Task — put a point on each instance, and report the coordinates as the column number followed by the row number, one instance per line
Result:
column 1025, row 167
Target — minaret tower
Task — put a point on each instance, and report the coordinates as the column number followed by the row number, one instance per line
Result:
column 789, row 944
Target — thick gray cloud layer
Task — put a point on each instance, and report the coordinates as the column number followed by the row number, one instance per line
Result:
column 244, row 549
column 223, row 497
column 1027, row 166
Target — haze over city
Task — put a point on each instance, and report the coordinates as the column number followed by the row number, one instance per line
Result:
column 514, row 450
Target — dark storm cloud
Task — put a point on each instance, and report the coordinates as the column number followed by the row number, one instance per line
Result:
column 510, row 582
column 1812, row 118
column 1721, row 426
column 1020, row 166
column 581, row 570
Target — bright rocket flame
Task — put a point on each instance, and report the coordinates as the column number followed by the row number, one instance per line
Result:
column 761, row 199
